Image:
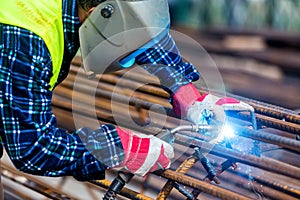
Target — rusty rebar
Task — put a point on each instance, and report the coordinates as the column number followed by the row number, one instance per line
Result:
column 260, row 162
column 270, row 110
column 277, row 185
column 267, row 137
column 201, row 185
column 284, row 121
column 266, row 109
column 260, row 191
column 273, row 123
column 182, row 169
column 125, row 192
column 263, row 120
column 35, row 184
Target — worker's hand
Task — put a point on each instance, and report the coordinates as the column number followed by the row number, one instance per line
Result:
column 187, row 102
column 144, row 153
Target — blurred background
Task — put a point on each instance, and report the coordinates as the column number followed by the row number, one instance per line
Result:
column 255, row 44
column 281, row 15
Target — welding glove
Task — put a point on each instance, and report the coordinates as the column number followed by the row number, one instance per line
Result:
column 201, row 110
column 144, row 153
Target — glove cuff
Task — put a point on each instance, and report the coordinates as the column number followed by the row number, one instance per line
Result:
column 125, row 140
column 144, row 153
column 184, row 98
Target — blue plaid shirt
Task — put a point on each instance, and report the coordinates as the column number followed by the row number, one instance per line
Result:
column 27, row 126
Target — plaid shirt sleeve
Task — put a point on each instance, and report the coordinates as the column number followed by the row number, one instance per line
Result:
column 164, row 61
column 27, row 126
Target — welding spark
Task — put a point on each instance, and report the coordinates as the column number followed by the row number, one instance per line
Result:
column 227, row 132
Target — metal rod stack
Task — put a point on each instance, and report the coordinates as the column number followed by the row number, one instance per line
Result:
column 125, row 99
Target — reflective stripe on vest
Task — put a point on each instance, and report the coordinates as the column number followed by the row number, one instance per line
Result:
column 42, row 17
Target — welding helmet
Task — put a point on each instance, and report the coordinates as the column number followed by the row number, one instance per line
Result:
column 119, row 30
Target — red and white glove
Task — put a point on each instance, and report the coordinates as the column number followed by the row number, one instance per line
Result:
column 144, row 153
column 188, row 103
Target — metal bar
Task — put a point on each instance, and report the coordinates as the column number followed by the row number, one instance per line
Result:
column 126, row 192
column 182, row 169
column 201, row 185
column 35, row 184
column 260, row 162
column 273, row 123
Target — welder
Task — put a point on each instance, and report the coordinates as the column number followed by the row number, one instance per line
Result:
column 38, row 40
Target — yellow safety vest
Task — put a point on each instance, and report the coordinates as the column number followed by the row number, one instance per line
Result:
column 42, row 17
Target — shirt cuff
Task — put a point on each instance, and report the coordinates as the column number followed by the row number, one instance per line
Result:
column 104, row 144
